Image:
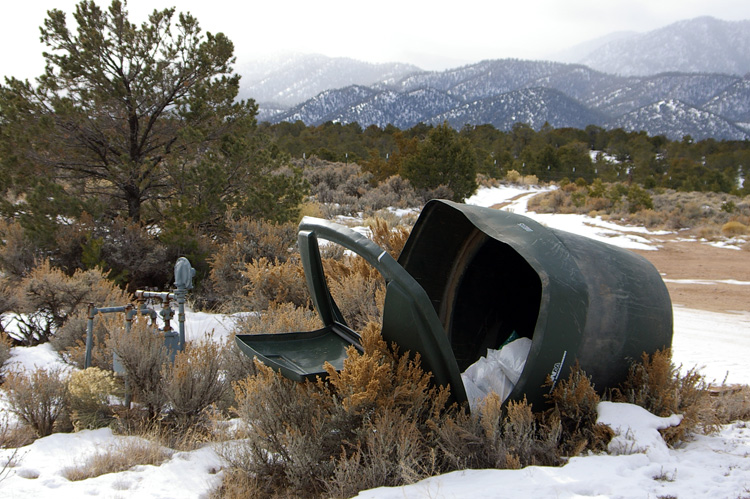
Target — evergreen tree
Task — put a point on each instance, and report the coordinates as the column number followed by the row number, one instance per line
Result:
column 123, row 111
column 443, row 159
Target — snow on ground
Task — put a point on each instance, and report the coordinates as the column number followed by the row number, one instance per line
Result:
column 629, row 237
column 639, row 464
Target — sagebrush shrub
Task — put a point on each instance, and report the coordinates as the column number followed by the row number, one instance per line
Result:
column 5, row 346
column 275, row 411
column 249, row 240
column 380, row 422
column 303, row 435
column 48, row 297
column 357, row 288
column 17, row 252
column 731, row 403
column 656, row 384
column 194, row 381
column 269, row 282
column 575, row 404
column 513, row 177
column 391, row 239
column 39, row 398
column 359, row 298
column 392, row 192
column 89, row 391
column 142, row 354
column 70, row 341
column 734, row 228
column 279, row 318
column 339, row 186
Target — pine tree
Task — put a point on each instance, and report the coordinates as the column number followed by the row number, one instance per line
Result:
column 123, row 112
column 443, row 159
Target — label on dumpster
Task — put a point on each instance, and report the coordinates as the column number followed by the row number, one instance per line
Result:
column 525, row 227
column 556, row 370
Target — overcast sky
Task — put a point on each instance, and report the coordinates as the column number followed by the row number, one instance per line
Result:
column 431, row 34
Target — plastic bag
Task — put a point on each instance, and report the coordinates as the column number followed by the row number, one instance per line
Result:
column 498, row 372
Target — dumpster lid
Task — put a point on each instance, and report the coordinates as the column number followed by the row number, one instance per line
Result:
column 409, row 318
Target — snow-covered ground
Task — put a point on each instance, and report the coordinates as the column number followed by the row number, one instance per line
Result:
column 639, row 464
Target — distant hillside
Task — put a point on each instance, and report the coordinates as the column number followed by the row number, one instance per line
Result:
column 704, row 45
column 693, row 74
column 289, row 80
column 504, row 92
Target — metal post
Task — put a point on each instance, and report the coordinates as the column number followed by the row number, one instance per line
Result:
column 129, row 313
column 89, row 335
column 166, row 313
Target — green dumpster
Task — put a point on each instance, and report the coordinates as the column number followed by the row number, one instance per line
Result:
column 467, row 280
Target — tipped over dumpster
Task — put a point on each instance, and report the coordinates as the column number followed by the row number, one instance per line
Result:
column 492, row 301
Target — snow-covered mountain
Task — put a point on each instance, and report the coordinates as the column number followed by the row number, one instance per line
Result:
column 291, row 79
column 703, row 44
column 674, row 118
column 712, row 100
column 504, row 92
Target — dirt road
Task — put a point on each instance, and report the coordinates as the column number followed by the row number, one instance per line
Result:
column 692, row 272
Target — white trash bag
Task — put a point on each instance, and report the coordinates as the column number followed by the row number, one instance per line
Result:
column 498, row 372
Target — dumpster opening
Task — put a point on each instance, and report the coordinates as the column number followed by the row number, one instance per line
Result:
column 486, row 302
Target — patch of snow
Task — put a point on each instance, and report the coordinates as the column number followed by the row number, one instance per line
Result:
column 711, row 282
column 32, row 358
column 636, row 430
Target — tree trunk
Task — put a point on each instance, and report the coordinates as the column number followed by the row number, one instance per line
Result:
column 133, row 198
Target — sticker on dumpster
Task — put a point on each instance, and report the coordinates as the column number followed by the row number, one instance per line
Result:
column 556, row 369
column 525, row 227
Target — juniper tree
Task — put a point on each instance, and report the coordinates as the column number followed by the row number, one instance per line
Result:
column 126, row 116
column 443, row 159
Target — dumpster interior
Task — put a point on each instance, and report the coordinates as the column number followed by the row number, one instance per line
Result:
column 482, row 289
column 489, row 301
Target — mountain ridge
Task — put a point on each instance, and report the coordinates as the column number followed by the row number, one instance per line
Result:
column 502, row 92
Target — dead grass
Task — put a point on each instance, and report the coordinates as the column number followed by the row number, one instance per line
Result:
column 124, row 455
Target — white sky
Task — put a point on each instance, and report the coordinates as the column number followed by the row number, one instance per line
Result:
column 432, row 34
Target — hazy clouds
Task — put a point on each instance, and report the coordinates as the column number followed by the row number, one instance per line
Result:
column 431, row 34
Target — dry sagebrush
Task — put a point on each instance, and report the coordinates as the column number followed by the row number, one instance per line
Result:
column 194, row 382
column 379, row 421
column 89, row 392
column 5, row 346
column 302, row 436
column 142, row 354
column 656, row 384
column 39, row 399
column 248, row 240
column 48, row 298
